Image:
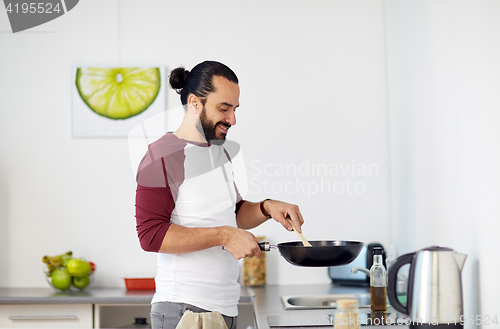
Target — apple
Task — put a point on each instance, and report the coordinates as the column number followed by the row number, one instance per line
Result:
column 81, row 282
column 61, row 279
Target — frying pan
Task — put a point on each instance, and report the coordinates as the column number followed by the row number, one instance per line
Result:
column 322, row 253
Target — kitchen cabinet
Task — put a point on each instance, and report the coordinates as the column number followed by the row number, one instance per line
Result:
column 119, row 315
column 99, row 308
column 46, row 316
column 72, row 316
column 92, row 308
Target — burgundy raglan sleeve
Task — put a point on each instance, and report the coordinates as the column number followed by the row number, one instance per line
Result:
column 152, row 216
column 154, row 201
column 159, row 176
column 154, row 204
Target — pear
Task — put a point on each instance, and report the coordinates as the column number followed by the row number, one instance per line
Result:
column 78, row 267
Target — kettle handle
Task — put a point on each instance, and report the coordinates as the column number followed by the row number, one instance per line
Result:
column 393, row 279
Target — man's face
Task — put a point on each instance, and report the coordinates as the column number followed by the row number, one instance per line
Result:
column 218, row 113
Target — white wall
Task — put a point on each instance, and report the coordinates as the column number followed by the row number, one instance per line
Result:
column 313, row 81
column 444, row 133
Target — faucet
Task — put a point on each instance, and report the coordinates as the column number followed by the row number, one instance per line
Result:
column 355, row 269
column 401, row 283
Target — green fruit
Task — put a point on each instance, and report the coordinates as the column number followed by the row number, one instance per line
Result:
column 81, row 282
column 78, row 267
column 65, row 260
column 118, row 93
column 61, row 279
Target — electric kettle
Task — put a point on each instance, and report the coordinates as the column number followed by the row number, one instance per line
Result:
column 434, row 288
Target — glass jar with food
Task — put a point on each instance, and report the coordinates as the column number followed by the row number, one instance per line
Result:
column 347, row 314
column 254, row 269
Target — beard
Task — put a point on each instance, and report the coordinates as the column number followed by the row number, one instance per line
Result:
column 208, row 128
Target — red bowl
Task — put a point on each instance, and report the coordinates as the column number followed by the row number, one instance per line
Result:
column 140, row 283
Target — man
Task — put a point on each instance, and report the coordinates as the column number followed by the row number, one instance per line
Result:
column 188, row 208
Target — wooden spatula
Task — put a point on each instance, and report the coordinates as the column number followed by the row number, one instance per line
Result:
column 301, row 237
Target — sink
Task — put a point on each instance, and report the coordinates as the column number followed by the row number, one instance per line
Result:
column 312, row 302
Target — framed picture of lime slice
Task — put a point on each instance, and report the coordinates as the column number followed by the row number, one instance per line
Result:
column 111, row 101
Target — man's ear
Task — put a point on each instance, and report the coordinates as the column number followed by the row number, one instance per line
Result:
column 194, row 103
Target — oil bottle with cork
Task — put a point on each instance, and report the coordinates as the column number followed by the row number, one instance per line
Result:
column 378, row 282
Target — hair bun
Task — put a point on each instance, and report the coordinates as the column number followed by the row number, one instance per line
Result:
column 178, row 78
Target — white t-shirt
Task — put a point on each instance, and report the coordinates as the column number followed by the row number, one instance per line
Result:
column 201, row 183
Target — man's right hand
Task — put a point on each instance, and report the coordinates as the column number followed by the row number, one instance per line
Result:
column 240, row 243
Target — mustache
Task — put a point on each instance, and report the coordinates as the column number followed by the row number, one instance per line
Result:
column 223, row 124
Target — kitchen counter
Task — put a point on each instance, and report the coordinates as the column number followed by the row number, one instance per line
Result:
column 13, row 296
column 88, row 296
column 267, row 303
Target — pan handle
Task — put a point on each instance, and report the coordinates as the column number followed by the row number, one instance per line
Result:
column 266, row 246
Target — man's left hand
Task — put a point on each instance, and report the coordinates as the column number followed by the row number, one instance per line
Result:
column 280, row 210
